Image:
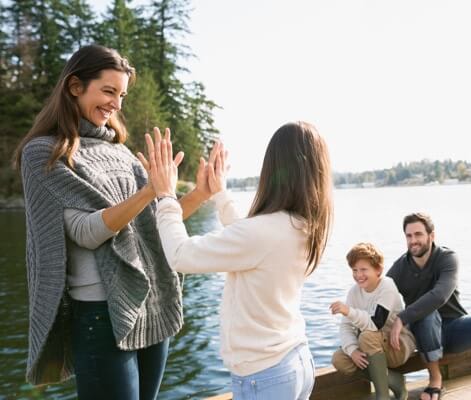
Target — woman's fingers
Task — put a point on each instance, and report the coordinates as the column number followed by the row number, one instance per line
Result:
column 143, row 161
column 178, row 158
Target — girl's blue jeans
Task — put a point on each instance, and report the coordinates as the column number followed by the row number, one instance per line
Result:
column 291, row 379
column 102, row 370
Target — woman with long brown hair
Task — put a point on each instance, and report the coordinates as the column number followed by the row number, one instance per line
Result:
column 267, row 256
column 103, row 300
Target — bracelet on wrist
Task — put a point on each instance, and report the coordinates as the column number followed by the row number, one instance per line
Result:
column 167, row 196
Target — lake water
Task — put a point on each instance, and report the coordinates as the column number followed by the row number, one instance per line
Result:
column 194, row 369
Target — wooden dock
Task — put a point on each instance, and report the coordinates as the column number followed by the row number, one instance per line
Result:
column 331, row 385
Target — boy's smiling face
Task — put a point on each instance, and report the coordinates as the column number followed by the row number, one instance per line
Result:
column 365, row 275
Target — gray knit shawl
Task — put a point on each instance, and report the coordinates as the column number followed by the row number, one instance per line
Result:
column 143, row 293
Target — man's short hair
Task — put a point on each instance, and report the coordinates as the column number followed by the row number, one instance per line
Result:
column 419, row 217
column 368, row 252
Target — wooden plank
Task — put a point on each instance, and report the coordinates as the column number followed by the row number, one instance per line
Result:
column 332, row 385
column 359, row 387
column 225, row 396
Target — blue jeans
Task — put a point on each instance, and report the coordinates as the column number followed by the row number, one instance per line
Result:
column 291, row 379
column 102, row 370
column 435, row 335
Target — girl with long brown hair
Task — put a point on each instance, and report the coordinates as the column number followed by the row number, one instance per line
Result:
column 267, row 256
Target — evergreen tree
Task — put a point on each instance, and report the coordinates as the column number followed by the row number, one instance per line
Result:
column 118, row 28
column 53, row 44
column 4, row 59
column 80, row 24
column 22, row 47
column 143, row 110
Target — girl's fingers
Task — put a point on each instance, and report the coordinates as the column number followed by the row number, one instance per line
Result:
column 166, row 148
column 163, row 152
column 222, row 157
column 213, row 154
column 211, row 175
column 226, row 166
column 149, row 144
column 218, row 165
column 157, row 135
column 158, row 141
column 169, row 150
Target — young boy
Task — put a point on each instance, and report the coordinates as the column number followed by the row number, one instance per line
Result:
column 371, row 308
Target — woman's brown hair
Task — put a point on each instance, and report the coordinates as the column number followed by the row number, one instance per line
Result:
column 60, row 115
column 296, row 177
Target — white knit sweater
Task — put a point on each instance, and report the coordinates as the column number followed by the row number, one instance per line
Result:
column 265, row 261
column 363, row 305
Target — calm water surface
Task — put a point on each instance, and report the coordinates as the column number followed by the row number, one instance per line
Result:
column 195, row 370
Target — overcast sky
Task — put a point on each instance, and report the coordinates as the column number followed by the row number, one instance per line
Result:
column 383, row 81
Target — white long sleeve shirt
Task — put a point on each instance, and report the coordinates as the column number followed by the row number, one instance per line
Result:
column 265, row 261
column 362, row 305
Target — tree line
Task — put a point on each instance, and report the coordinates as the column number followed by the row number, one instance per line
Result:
column 38, row 36
column 413, row 173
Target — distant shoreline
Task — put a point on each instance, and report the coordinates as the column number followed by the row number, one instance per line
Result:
column 364, row 185
column 372, row 185
column 17, row 202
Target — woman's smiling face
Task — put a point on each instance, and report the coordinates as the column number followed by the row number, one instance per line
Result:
column 102, row 97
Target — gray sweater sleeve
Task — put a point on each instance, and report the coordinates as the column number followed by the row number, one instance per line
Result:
column 86, row 229
column 438, row 296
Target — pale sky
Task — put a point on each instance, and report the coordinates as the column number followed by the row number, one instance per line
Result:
column 383, row 81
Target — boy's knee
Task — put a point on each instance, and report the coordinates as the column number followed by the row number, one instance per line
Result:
column 343, row 363
column 371, row 342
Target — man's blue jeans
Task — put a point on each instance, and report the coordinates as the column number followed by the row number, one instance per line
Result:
column 435, row 335
column 102, row 370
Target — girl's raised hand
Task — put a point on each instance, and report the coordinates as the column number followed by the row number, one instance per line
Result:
column 217, row 168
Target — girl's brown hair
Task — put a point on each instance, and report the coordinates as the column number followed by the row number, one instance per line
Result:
column 60, row 116
column 296, row 177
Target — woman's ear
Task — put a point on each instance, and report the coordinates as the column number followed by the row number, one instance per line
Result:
column 75, row 86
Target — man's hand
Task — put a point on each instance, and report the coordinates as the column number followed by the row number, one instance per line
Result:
column 339, row 308
column 394, row 334
column 360, row 359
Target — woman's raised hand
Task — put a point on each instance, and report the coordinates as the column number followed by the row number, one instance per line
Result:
column 161, row 166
